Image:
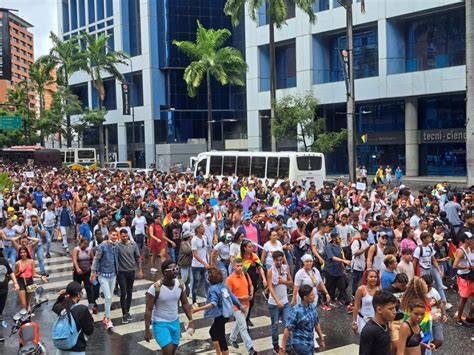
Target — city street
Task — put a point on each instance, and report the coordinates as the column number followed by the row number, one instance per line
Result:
column 128, row 338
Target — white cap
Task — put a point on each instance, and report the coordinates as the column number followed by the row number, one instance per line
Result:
column 208, row 215
column 402, row 186
column 356, row 209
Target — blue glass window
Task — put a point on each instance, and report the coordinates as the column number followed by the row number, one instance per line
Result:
column 436, row 42
column 135, row 80
column 131, row 34
column 82, row 13
column 110, row 41
column 73, row 15
column 285, row 58
column 110, row 8
column 442, row 112
column 91, row 10
column 447, row 159
column 262, row 15
column 100, row 9
column 320, row 5
column 336, row 3
column 65, row 16
column 366, row 55
column 81, row 91
column 110, row 100
column 380, row 117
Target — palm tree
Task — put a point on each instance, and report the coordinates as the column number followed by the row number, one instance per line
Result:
column 277, row 12
column 210, row 58
column 40, row 78
column 102, row 59
column 68, row 58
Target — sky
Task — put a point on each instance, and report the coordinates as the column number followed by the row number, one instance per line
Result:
column 42, row 14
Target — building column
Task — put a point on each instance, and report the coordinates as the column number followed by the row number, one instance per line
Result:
column 411, row 137
column 149, row 142
column 122, row 142
column 254, row 131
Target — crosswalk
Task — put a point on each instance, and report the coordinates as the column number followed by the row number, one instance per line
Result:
column 59, row 268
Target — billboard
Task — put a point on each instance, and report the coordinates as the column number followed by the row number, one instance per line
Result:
column 5, row 51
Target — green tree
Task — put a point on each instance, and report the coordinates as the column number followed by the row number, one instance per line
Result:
column 40, row 78
column 209, row 58
column 91, row 118
column 277, row 13
column 18, row 99
column 296, row 118
column 102, row 59
column 68, row 58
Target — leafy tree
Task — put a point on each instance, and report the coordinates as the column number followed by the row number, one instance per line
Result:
column 91, row 118
column 209, row 58
column 296, row 118
column 277, row 13
column 18, row 101
column 102, row 59
column 68, row 58
column 5, row 182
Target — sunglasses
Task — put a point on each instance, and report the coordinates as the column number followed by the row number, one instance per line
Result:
column 175, row 269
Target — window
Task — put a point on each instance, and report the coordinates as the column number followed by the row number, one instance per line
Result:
column 136, row 88
column 65, row 15
column 336, row 4
column 63, row 157
column 380, row 116
column 320, row 5
column 70, row 157
column 131, row 34
column 82, row 13
column 436, row 42
column 100, row 9
column 272, row 168
column 228, row 167
column 243, row 166
column 447, row 111
column 258, row 167
column 82, row 92
column 215, row 167
column 284, row 168
column 91, row 10
column 285, row 58
column 85, row 154
column 309, row 163
column 202, row 166
column 73, row 15
column 110, row 8
column 366, row 55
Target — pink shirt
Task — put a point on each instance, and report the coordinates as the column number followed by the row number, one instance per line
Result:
column 408, row 243
column 251, row 234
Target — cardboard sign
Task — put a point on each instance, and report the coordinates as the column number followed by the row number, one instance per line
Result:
column 361, row 186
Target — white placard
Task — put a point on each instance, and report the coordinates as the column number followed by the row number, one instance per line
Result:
column 30, row 174
column 361, row 186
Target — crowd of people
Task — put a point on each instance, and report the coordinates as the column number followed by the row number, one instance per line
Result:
column 384, row 254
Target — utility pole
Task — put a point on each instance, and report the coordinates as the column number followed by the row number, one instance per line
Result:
column 470, row 91
column 271, row 47
column 350, row 108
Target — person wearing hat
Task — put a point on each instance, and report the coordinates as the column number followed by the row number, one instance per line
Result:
column 66, row 222
column 441, row 248
column 250, row 230
column 185, row 258
column 85, row 229
column 68, row 300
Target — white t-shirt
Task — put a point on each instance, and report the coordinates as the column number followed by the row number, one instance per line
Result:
column 311, row 278
column 425, row 259
column 139, row 223
column 270, row 248
column 234, row 250
column 166, row 306
column 358, row 262
column 200, row 245
column 222, row 251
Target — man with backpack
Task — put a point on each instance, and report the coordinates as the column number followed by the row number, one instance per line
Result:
column 162, row 300
column 74, row 322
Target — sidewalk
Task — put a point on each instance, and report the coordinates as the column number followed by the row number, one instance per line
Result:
column 426, row 180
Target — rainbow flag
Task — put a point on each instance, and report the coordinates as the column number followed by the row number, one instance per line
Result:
column 168, row 219
column 364, row 137
column 451, row 253
column 248, row 262
column 425, row 325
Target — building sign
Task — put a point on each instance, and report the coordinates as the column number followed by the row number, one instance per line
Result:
column 383, row 138
column 126, row 99
column 10, row 122
column 5, row 52
column 433, row 136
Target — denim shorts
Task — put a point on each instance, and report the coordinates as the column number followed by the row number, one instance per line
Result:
column 167, row 332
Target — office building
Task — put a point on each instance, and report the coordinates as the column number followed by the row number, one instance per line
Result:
column 17, row 53
column 409, row 65
column 164, row 115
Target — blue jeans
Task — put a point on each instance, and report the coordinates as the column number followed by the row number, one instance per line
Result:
column 49, row 238
column 302, row 349
column 107, row 285
column 356, row 277
column 437, row 280
column 325, row 213
column 298, row 254
column 172, row 253
column 276, row 314
column 199, row 273
column 38, row 255
column 10, row 254
column 220, row 265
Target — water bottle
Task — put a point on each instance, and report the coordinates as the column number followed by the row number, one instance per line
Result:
column 4, row 324
column 95, row 282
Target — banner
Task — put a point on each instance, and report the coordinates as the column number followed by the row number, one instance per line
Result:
column 126, row 99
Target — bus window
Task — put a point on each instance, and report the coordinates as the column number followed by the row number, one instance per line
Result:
column 272, row 168
column 284, row 169
column 215, row 167
column 202, row 167
column 63, row 157
column 309, row 163
column 70, row 157
column 258, row 167
column 85, row 154
column 243, row 166
column 228, row 166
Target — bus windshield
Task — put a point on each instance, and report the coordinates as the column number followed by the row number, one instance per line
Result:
column 309, row 163
column 85, row 154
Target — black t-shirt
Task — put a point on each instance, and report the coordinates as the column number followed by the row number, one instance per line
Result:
column 326, row 201
column 374, row 340
column 173, row 232
column 5, row 271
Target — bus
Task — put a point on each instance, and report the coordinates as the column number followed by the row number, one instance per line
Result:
column 79, row 158
column 297, row 166
column 31, row 155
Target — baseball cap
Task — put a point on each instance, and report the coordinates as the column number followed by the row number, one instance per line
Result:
column 438, row 237
column 208, row 215
column 356, row 209
column 73, row 288
column 247, row 215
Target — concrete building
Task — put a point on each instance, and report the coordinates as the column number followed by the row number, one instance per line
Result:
column 163, row 112
column 409, row 64
column 21, row 53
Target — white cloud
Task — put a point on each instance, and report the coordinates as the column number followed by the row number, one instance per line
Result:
column 42, row 14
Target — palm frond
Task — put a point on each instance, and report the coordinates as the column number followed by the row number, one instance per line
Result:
column 188, row 48
column 234, row 9
column 193, row 76
column 307, row 7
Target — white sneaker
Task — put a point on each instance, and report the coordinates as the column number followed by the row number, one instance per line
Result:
column 448, row 306
column 444, row 287
column 153, row 270
column 109, row 324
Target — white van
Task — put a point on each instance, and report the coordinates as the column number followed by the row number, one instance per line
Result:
column 118, row 165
